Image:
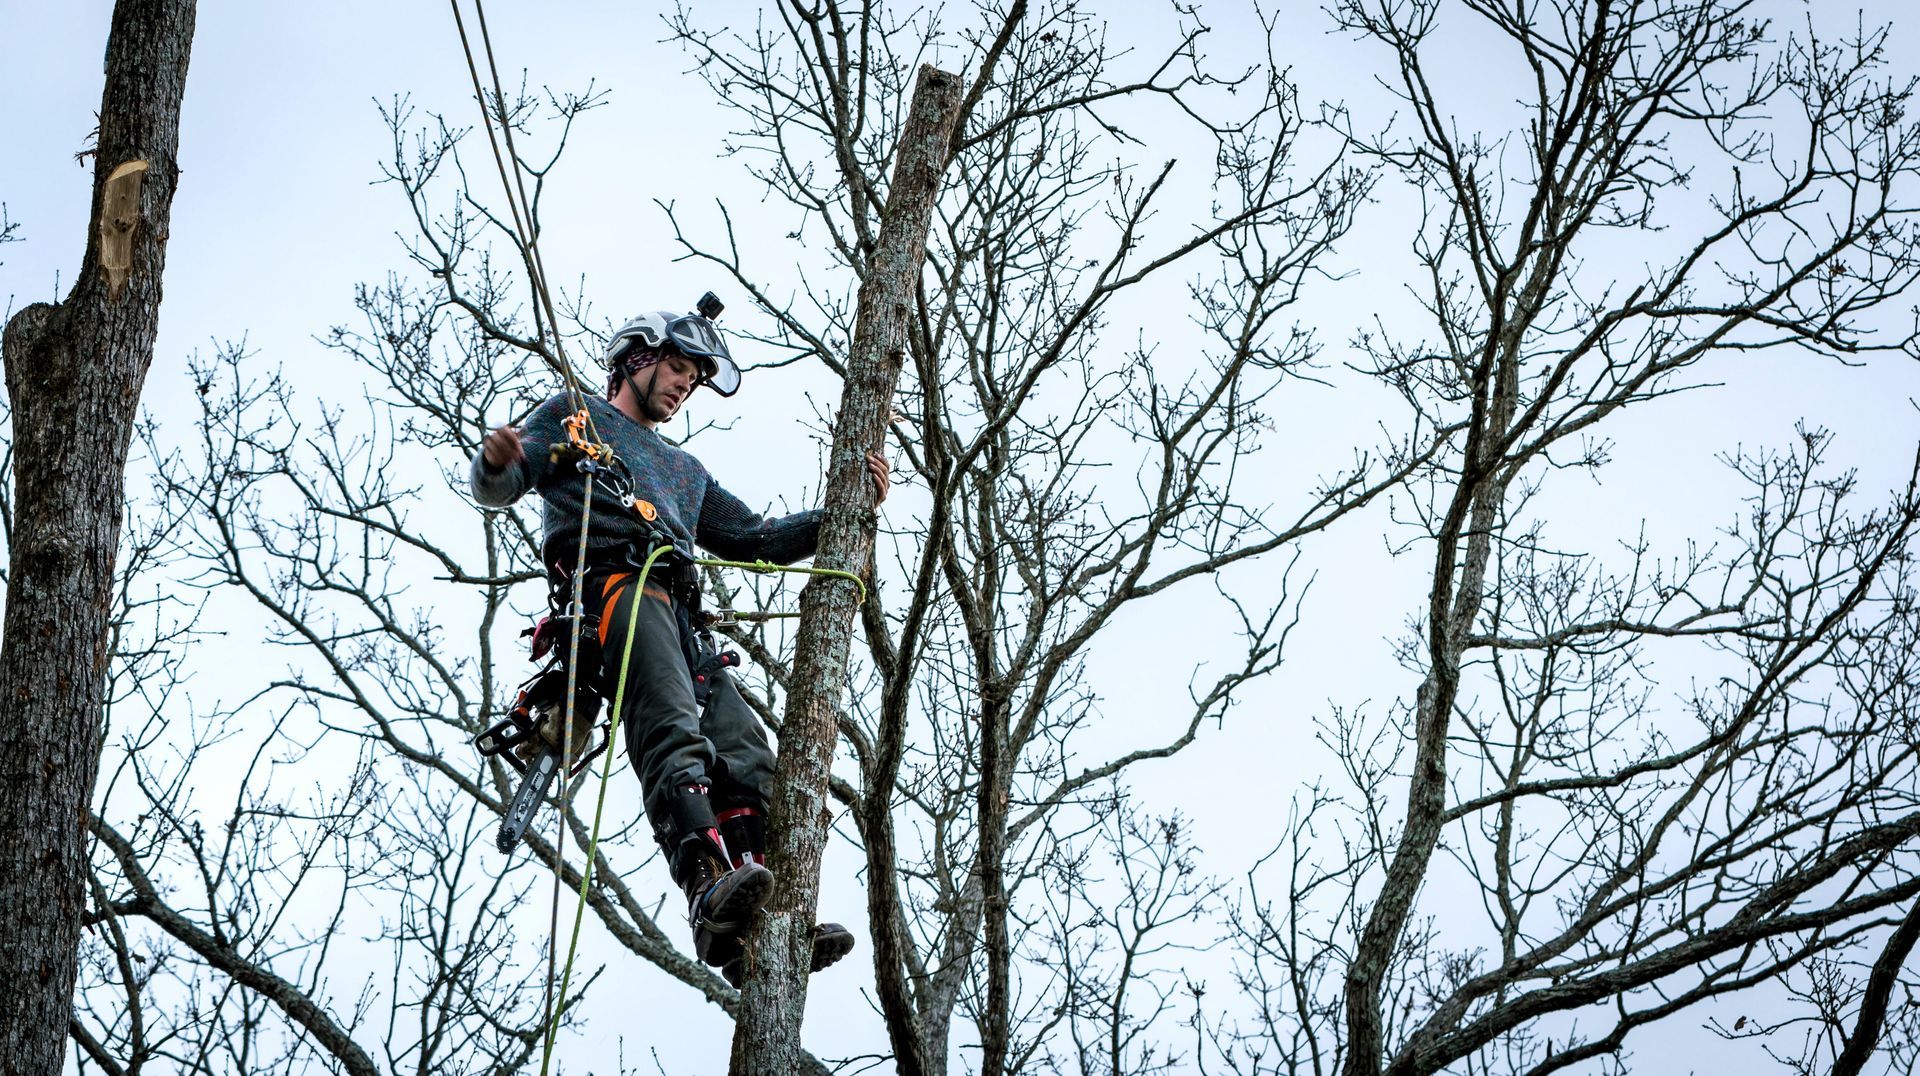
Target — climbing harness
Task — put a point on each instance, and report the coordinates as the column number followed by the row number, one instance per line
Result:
column 530, row 738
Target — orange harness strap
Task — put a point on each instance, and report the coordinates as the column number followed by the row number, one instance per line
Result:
column 610, row 597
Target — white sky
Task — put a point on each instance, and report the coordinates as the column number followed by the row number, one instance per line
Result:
column 276, row 220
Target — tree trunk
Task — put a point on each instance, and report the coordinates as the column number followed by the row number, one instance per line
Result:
column 1464, row 549
column 74, row 372
column 767, row 1033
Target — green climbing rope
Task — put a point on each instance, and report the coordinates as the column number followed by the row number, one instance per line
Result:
column 613, row 732
column 765, row 567
column 600, row 804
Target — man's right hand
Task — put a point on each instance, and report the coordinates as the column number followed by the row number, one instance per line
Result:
column 502, row 448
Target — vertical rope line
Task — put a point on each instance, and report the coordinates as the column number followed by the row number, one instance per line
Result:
column 521, row 225
column 537, row 265
column 548, row 327
column 577, row 610
column 639, row 593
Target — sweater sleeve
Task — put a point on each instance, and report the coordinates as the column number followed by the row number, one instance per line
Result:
column 498, row 489
column 734, row 531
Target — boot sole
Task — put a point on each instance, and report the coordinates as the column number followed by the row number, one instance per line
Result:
column 831, row 941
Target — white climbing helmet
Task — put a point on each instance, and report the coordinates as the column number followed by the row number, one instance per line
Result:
column 693, row 335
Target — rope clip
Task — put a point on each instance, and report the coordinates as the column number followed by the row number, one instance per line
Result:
column 576, row 425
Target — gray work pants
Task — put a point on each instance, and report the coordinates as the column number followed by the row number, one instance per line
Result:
column 670, row 742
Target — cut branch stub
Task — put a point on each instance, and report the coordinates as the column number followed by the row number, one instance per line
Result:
column 119, row 218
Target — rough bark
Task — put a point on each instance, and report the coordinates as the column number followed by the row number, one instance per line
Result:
column 995, row 1026
column 767, row 1033
column 1873, row 1004
column 1464, row 547
column 74, row 373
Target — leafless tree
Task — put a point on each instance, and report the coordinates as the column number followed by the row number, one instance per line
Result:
column 972, row 696
column 8, row 228
column 1114, row 929
column 74, row 370
column 1637, row 847
column 240, row 908
column 965, row 738
column 1634, row 846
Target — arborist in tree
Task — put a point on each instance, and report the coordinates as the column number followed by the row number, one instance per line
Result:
column 704, row 763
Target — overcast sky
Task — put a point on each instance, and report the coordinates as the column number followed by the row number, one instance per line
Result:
column 277, row 218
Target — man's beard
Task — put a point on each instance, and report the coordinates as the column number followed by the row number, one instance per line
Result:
column 648, row 400
column 656, row 410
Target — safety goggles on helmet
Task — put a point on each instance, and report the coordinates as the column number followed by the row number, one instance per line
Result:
column 700, row 340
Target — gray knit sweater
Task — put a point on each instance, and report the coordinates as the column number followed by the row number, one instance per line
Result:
column 690, row 504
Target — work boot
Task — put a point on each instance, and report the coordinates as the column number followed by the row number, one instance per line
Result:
column 831, row 941
column 721, row 902
column 721, row 898
column 744, row 830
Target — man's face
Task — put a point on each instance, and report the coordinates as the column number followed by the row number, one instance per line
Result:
column 666, row 386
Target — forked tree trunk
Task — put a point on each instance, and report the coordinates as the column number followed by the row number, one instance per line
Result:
column 766, row 1038
column 74, row 372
